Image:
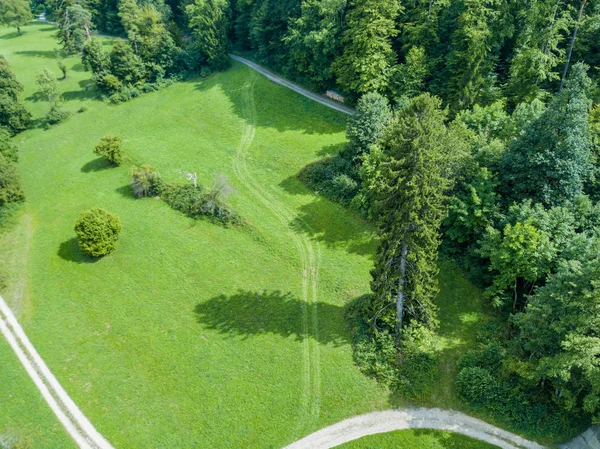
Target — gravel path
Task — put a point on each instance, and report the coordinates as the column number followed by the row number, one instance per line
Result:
column 302, row 91
column 67, row 412
column 417, row 418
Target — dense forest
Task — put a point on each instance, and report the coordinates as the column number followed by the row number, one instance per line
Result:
column 477, row 135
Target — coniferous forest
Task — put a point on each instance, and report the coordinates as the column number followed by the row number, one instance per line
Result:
column 476, row 137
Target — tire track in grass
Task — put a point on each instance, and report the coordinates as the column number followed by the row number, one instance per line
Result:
column 309, row 262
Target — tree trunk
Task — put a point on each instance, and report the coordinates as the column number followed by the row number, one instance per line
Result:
column 18, row 30
column 135, row 45
column 87, row 31
column 401, row 295
column 519, row 292
column 564, row 75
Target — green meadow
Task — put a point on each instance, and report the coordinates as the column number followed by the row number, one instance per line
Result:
column 191, row 335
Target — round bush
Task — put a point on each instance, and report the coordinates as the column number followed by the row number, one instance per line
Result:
column 97, row 231
column 111, row 148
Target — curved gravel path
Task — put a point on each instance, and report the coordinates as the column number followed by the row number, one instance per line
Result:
column 412, row 418
column 302, row 91
column 67, row 412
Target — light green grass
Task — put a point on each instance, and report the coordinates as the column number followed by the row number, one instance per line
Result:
column 189, row 334
column 23, row 412
column 422, row 439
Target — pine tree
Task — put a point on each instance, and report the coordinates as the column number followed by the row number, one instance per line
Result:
column 406, row 178
column 368, row 58
column 551, row 159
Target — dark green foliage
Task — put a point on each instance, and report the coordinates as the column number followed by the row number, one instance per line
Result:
column 478, row 386
column 146, row 181
column 406, row 178
column 15, row 13
column 367, row 126
column 10, row 184
column 7, row 148
column 409, row 79
column 551, row 160
column 111, row 149
column 13, row 114
column 125, row 64
column 367, row 58
column 209, row 20
column 97, row 232
column 409, row 370
column 95, row 58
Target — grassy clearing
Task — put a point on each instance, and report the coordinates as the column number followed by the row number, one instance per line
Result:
column 426, row 439
column 23, row 413
column 189, row 334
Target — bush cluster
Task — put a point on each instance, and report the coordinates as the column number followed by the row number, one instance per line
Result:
column 484, row 384
column 410, row 369
column 97, row 232
column 332, row 178
column 57, row 115
column 197, row 203
column 146, row 181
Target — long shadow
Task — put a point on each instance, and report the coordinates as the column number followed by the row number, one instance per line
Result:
column 96, row 165
column 10, row 35
column 276, row 106
column 248, row 314
column 126, row 191
column 49, row 54
column 331, row 224
column 70, row 252
column 35, row 97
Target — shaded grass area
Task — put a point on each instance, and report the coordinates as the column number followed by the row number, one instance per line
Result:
column 426, row 439
column 24, row 415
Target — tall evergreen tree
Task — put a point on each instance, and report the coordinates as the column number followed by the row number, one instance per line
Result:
column 407, row 177
column 368, row 58
column 551, row 160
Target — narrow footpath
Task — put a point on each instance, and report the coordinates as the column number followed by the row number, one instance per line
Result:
column 67, row 412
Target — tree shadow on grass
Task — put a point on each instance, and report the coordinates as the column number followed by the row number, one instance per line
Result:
column 275, row 106
column 330, row 223
column 96, row 165
column 126, row 191
column 248, row 314
column 70, row 252
column 10, row 35
column 35, row 97
column 48, row 54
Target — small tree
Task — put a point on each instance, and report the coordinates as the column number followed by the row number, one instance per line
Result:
column 48, row 86
column 15, row 13
column 366, row 127
column 13, row 114
column 111, row 149
column 97, row 232
column 63, row 68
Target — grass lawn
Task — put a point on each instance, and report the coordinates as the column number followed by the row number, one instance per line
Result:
column 422, row 439
column 189, row 334
column 24, row 413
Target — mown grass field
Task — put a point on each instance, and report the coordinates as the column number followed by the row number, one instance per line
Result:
column 424, row 439
column 190, row 334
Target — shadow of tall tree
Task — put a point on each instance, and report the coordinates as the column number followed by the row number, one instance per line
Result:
column 248, row 313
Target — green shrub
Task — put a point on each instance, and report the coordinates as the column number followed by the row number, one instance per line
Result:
column 196, row 203
column 111, row 149
column 97, row 232
column 57, row 115
column 109, row 83
column 10, row 184
column 7, row 148
column 477, row 386
column 146, row 181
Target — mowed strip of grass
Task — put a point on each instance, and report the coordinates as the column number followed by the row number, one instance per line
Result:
column 426, row 439
column 24, row 415
column 189, row 335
